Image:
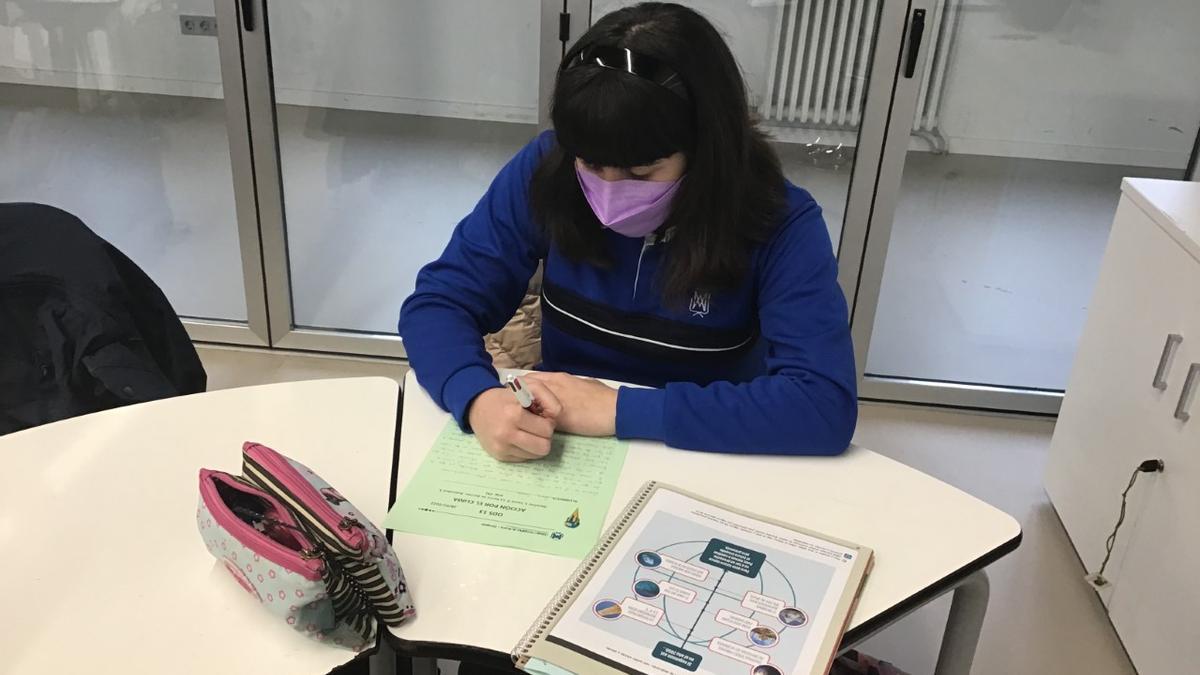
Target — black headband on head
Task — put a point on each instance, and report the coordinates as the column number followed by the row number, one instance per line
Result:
column 629, row 61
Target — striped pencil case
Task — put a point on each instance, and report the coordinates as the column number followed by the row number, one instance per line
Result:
column 280, row 512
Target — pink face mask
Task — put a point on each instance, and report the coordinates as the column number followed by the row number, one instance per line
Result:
column 633, row 208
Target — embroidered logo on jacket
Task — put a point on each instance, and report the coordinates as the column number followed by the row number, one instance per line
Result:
column 699, row 304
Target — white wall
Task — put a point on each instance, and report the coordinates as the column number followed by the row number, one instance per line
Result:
column 1111, row 81
column 460, row 58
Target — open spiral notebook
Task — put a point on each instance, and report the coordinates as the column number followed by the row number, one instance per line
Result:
column 680, row 584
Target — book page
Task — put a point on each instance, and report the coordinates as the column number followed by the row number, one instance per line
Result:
column 693, row 588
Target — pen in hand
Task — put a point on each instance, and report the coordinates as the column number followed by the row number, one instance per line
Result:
column 525, row 398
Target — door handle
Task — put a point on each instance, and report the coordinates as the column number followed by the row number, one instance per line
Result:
column 247, row 15
column 916, row 31
column 1164, row 361
column 1185, row 396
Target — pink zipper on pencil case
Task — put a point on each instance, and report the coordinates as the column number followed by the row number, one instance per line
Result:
column 298, row 561
column 264, row 466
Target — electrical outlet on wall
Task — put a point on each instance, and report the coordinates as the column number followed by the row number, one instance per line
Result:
column 191, row 24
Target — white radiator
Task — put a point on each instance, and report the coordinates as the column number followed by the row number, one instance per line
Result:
column 819, row 56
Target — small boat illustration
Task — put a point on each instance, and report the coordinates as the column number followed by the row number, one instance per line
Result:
column 573, row 519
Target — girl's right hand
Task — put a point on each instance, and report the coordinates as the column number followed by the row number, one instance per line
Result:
column 509, row 432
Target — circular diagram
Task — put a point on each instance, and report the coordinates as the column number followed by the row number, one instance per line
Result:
column 684, row 583
column 702, row 602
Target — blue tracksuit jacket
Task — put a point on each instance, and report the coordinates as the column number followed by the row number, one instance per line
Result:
column 765, row 368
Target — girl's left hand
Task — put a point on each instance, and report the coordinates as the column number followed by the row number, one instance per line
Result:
column 589, row 407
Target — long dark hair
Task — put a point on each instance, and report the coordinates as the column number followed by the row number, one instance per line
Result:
column 733, row 192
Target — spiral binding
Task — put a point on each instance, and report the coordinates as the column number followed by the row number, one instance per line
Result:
column 575, row 582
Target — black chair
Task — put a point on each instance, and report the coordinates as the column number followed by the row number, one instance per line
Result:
column 82, row 328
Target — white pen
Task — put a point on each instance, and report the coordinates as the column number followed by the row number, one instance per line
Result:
column 525, row 398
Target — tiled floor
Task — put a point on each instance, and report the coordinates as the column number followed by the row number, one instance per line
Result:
column 1042, row 619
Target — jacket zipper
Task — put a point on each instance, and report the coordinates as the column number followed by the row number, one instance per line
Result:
column 646, row 243
column 303, row 564
column 269, row 468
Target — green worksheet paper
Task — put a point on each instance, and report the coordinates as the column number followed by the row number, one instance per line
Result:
column 554, row 505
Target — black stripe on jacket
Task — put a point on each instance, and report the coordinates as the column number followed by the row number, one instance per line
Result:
column 643, row 335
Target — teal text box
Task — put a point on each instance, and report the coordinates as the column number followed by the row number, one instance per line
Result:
column 733, row 558
column 677, row 656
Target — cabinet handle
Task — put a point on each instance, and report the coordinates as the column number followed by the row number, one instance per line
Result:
column 1164, row 361
column 916, row 32
column 248, row 15
column 1185, row 397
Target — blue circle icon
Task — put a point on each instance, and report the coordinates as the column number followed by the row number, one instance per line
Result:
column 649, row 559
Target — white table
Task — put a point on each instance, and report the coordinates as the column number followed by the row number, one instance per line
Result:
column 104, row 571
column 476, row 601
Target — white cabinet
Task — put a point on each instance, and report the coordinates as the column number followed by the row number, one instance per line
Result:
column 1121, row 408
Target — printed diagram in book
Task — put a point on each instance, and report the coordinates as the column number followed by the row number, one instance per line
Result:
column 710, row 603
